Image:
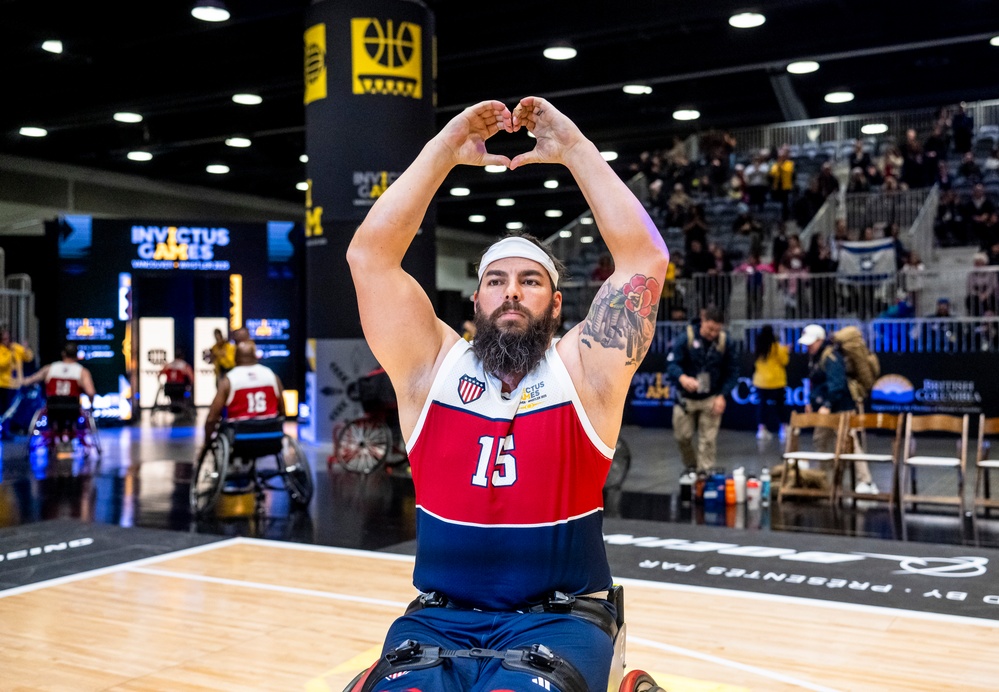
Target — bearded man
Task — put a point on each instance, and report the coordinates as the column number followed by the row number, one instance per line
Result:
column 510, row 437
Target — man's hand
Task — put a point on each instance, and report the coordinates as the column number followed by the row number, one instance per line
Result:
column 466, row 134
column 687, row 382
column 825, row 410
column 556, row 135
column 718, row 405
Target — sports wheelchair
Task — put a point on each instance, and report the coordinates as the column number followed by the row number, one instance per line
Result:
column 364, row 444
column 174, row 397
column 62, row 425
column 537, row 659
column 217, row 469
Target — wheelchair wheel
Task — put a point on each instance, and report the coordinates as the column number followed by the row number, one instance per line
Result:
column 90, row 439
column 363, row 445
column 209, row 475
column 296, row 471
column 620, row 465
column 38, row 432
column 639, row 681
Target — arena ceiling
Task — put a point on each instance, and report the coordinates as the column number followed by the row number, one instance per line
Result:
column 153, row 58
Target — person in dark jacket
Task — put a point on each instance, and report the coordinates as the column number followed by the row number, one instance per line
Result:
column 703, row 369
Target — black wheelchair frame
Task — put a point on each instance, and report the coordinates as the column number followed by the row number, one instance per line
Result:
column 62, row 420
column 250, row 441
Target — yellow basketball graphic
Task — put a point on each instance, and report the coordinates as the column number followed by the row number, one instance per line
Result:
column 387, row 57
column 315, row 63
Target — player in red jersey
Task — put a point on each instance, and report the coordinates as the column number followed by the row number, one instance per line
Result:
column 510, row 436
column 65, row 380
column 248, row 391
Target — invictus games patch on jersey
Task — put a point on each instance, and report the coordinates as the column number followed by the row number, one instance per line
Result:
column 470, row 389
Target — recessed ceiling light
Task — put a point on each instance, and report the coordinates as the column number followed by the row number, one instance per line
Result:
column 505, row 202
column 477, row 218
column 551, row 184
column 247, row 99
column 802, row 67
column 994, row 41
column 217, row 169
column 565, row 234
column 238, row 142
column 304, row 158
column 514, row 225
column 637, row 89
column 495, row 168
column 127, row 117
column 874, row 129
column 609, row 155
column 553, row 213
column 303, row 186
column 210, row 11
column 746, row 20
column 52, row 46
column 586, row 239
column 586, row 220
column 460, row 192
column 839, row 97
column 33, row 131
column 686, row 114
column 560, row 51
column 139, row 156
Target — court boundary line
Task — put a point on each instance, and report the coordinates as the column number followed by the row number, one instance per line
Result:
column 111, row 569
column 778, row 598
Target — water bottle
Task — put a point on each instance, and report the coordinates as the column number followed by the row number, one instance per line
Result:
column 687, row 480
column 729, row 491
column 765, row 487
column 753, row 492
column 739, row 477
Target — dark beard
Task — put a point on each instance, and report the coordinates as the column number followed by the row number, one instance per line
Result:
column 513, row 350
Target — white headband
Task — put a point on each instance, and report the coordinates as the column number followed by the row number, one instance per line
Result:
column 515, row 246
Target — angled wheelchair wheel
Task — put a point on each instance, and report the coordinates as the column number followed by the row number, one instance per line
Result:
column 363, row 445
column 639, row 681
column 620, row 465
column 90, row 438
column 38, row 432
column 296, row 471
column 209, row 475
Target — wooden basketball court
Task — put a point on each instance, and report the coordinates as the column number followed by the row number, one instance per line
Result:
column 246, row 614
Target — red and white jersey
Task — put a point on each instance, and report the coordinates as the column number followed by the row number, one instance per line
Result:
column 509, row 488
column 63, row 379
column 253, row 393
column 178, row 372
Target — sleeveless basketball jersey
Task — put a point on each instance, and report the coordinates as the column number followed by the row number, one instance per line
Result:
column 63, row 379
column 253, row 393
column 509, row 488
column 177, row 372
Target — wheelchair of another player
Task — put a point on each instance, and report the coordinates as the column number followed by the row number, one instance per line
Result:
column 536, row 660
column 176, row 398
column 365, row 444
column 63, row 428
column 234, row 462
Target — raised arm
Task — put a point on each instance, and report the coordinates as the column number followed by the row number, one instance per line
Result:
column 603, row 352
column 399, row 323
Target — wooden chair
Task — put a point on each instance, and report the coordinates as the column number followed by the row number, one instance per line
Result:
column 858, row 447
column 794, row 454
column 934, row 423
column 987, row 427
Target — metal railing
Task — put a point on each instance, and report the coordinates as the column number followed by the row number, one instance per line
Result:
column 952, row 335
column 971, row 292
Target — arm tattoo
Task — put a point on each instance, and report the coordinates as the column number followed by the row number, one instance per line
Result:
column 625, row 318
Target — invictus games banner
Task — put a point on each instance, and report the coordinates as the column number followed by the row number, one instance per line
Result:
column 369, row 109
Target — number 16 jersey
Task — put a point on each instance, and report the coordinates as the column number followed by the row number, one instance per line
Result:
column 253, row 393
column 509, row 487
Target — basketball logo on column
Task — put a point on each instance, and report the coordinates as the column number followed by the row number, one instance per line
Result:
column 387, row 58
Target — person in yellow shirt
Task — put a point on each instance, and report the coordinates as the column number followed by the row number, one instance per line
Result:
column 770, row 379
column 12, row 357
column 782, row 181
column 222, row 355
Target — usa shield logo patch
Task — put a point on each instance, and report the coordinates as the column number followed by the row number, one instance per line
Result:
column 470, row 389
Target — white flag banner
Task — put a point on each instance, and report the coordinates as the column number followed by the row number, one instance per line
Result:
column 866, row 261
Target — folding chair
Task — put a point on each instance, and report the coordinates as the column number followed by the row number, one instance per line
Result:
column 916, row 426
column 858, row 447
column 987, row 427
column 794, row 455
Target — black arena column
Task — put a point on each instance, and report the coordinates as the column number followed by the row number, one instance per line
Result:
column 369, row 109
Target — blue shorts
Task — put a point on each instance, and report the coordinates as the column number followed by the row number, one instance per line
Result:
column 588, row 648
